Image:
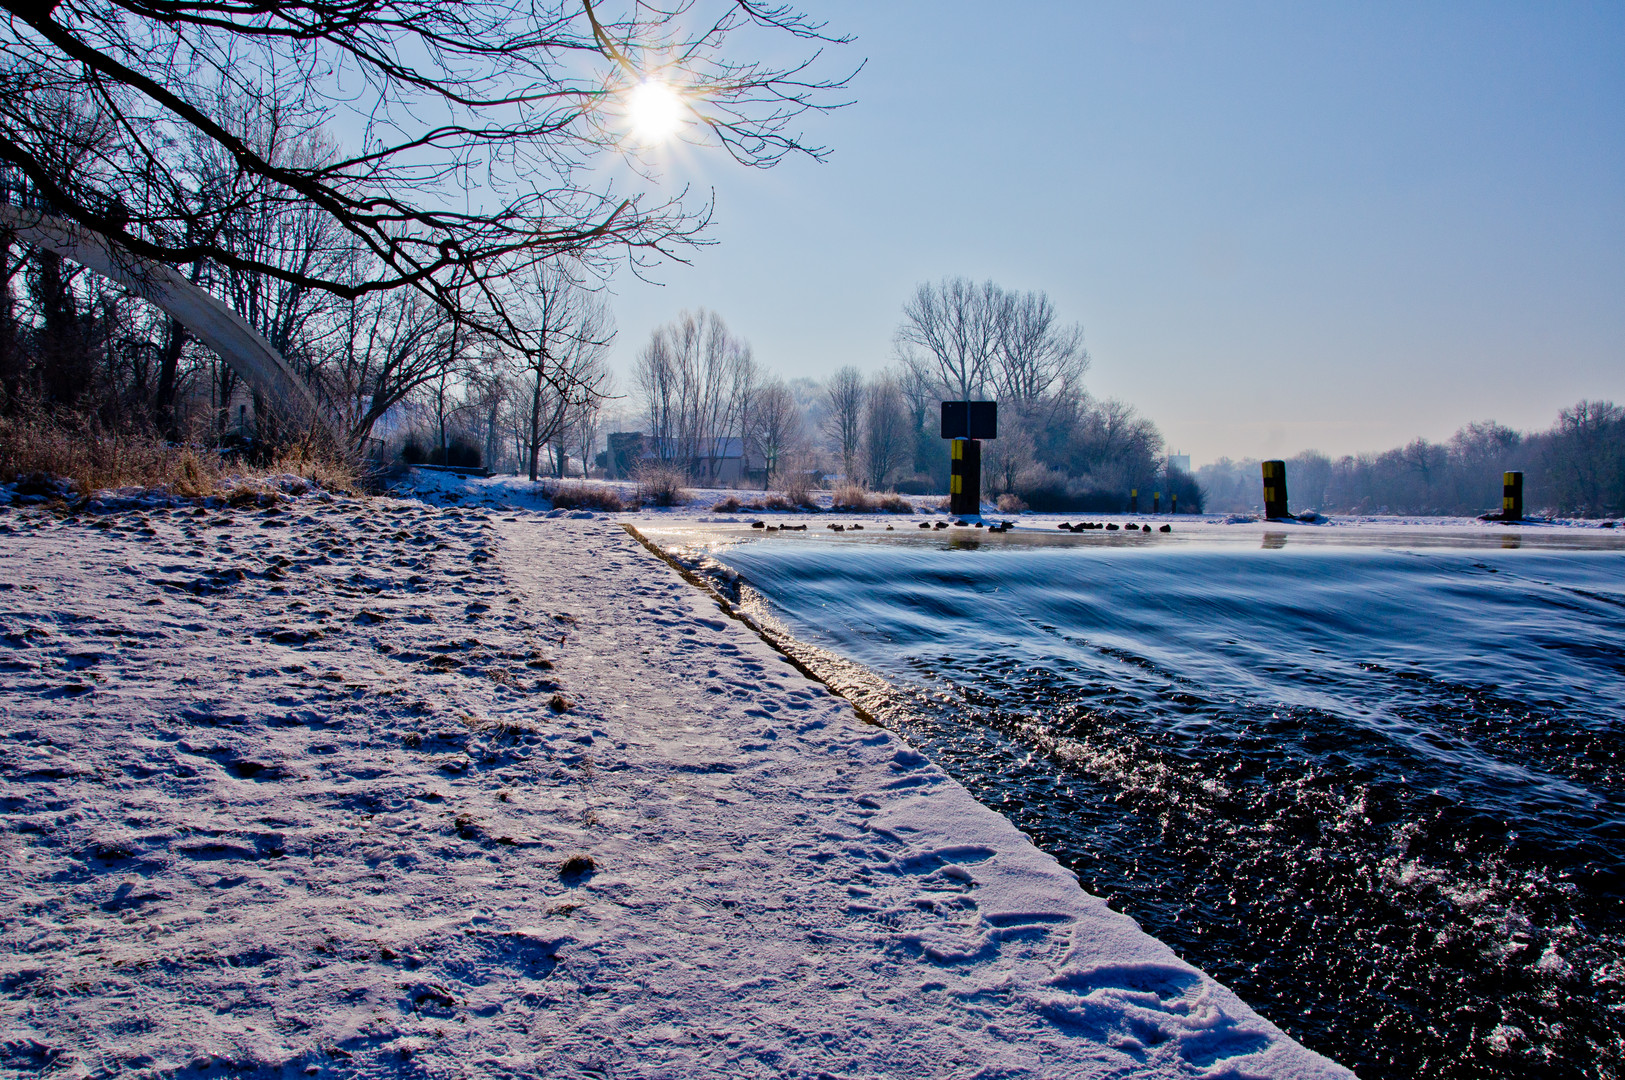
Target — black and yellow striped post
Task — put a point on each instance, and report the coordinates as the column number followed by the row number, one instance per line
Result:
column 1134, row 500
column 1275, row 490
column 965, row 478
column 1512, row 496
column 1156, row 503
column 1173, row 502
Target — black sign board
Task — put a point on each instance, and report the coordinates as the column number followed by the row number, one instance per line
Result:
column 970, row 419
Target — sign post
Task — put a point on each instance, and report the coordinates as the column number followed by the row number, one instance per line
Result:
column 966, row 423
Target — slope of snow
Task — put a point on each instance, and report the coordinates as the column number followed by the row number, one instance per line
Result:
column 327, row 786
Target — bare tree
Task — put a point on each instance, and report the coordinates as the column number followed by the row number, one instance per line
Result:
column 776, row 430
column 521, row 103
column 887, row 444
column 843, row 423
column 387, row 348
column 696, row 380
column 952, row 332
column 1038, row 360
column 567, row 372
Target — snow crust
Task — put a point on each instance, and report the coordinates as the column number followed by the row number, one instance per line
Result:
column 316, row 786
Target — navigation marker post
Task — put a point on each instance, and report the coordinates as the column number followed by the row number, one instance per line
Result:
column 1512, row 496
column 1275, row 490
column 966, row 423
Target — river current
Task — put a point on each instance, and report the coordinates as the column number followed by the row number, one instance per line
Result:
column 1377, row 788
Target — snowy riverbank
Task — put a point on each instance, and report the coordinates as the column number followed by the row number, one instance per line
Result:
column 377, row 788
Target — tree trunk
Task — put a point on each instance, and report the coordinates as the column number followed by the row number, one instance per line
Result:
column 168, row 369
column 535, row 427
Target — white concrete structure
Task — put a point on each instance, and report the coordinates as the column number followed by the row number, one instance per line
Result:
column 206, row 318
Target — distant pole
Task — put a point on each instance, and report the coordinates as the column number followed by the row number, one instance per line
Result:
column 1512, row 496
column 1156, row 503
column 1134, row 500
column 1275, row 490
column 1173, row 502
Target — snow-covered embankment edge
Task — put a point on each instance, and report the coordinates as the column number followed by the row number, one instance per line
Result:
column 1114, row 980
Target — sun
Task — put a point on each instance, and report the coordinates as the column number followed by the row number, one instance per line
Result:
column 654, row 110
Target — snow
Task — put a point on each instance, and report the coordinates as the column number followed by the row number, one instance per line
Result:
column 317, row 785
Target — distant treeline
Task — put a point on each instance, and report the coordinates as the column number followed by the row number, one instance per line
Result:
column 1574, row 469
column 704, row 397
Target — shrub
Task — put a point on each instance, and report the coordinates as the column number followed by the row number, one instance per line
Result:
column 1010, row 503
column 730, row 505
column 585, row 497
column 849, row 497
column 798, row 487
column 891, row 503
column 659, row 485
column 854, row 499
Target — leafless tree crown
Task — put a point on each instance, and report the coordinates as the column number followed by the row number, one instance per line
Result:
column 455, row 144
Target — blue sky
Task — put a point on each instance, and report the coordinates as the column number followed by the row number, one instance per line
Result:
column 1282, row 226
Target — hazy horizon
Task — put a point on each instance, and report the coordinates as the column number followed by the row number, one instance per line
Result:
column 1282, row 228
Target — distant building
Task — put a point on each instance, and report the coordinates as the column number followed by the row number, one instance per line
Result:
column 717, row 461
column 1179, row 462
column 626, row 450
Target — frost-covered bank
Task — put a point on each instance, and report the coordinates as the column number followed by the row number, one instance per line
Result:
column 289, row 789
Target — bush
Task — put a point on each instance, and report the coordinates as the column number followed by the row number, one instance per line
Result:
column 731, row 505
column 1010, row 503
column 849, row 497
column 659, row 485
column 798, row 488
column 585, row 497
column 853, row 499
column 892, row 503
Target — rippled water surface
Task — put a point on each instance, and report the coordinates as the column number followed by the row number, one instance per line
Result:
column 1376, row 789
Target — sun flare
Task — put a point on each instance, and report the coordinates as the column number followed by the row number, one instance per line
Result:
column 654, row 110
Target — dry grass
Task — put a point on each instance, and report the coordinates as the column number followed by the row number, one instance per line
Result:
column 732, row 504
column 849, row 497
column 583, row 496
column 892, row 503
column 1010, row 503
column 661, row 486
column 854, row 499
column 93, row 459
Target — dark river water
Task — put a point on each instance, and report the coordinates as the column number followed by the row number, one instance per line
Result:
column 1375, row 788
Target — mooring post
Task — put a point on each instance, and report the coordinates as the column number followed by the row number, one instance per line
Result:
column 1512, row 496
column 1275, row 490
column 1156, row 503
column 1173, row 502
column 1134, row 500
column 965, row 478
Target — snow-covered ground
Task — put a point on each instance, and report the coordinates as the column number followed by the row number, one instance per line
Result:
column 316, row 785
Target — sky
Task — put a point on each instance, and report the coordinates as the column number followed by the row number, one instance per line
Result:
column 1281, row 226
